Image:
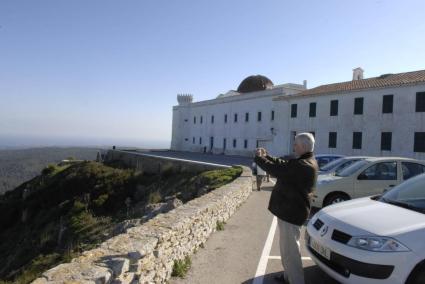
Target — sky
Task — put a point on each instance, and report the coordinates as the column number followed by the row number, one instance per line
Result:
column 108, row 72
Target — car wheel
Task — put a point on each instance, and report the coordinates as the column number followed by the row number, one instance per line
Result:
column 418, row 275
column 335, row 198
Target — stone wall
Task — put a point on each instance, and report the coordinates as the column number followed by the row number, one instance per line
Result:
column 149, row 163
column 146, row 253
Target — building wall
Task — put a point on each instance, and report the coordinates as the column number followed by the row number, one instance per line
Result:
column 403, row 122
column 252, row 131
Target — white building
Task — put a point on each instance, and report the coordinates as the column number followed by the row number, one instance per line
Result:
column 380, row 116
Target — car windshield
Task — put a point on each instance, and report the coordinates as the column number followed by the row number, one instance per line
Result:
column 329, row 166
column 409, row 194
column 348, row 171
column 344, row 165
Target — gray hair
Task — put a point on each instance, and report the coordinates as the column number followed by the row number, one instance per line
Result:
column 306, row 139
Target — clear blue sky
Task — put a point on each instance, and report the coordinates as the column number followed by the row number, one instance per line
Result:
column 108, row 71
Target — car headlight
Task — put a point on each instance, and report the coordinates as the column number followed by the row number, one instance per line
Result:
column 381, row 244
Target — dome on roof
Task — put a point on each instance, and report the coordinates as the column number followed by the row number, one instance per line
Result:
column 255, row 83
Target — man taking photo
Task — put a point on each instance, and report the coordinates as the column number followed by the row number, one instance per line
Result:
column 290, row 200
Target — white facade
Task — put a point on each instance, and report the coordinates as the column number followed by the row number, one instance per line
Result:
column 276, row 135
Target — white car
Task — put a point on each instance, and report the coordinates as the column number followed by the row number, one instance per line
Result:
column 370, row 176
column 339, row 164
column 324, row 159
column 373, row 239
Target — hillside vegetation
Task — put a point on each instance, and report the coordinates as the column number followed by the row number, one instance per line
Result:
column 66, row 210
column 18, row 166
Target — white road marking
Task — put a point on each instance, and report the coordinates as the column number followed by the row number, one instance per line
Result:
column 278, row 257
column 265, row 255
column 262, row 265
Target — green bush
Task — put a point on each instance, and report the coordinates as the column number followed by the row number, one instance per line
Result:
column 84, row 201
column 37, row 266
column 220, row 225
column 218, row 178
column 181, row 267
column 49, row 170
column 98, row 202
column 154, row 197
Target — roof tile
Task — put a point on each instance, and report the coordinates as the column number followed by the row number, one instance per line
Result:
column 386, row 80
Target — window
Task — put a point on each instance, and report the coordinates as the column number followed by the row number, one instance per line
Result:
column 202, row 119
column 212, row 119
column 420, row 102
column 380, row 171
column 224, row 144
column 247, row 117
column 411, row 169
column 358, row 106
column 387, row 104
column 419, row 145
column 225, row 118
column 357, row 140
column 200, row 140
column 334, row 108
column 332, row 140
column 312, row 112
column 193, row 140
column 194, row 120
column 294, row 110
column 272, row 115
column 234, row 143
column 245, row 143
column 386, row 141
column 353, row 168
column 236, row 117
column 259, row 116
column 186, row 139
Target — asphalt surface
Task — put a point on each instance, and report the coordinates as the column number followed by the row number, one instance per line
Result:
column 234, row 255
column 209, row 158
column 247, row 250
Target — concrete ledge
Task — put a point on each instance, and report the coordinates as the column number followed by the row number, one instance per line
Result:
column 155, row 164
column 146, row 254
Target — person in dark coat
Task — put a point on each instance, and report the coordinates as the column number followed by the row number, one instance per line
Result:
column 290, row 200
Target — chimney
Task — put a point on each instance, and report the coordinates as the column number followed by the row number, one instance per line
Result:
column 358, row 74
column 305, row 84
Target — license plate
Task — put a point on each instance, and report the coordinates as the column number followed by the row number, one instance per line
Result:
column 320, row 249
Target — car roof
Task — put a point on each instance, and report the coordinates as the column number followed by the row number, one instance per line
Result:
column 377, row 159
column 356, row 157
column 328, row 155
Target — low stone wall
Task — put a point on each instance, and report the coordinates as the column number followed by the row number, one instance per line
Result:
column 146, row 254
column 145, row 162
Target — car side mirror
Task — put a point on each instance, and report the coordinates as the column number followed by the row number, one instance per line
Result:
column 362, row 176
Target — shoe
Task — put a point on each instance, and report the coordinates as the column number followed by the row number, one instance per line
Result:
column 280, row 278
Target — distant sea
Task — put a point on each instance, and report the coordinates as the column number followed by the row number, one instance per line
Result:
column 25, row 142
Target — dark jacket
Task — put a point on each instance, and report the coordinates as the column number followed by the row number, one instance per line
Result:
column 296, row 179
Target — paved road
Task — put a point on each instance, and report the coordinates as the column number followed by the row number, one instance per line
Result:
column 247, row 251
column 209, row 158
column 240, row 253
